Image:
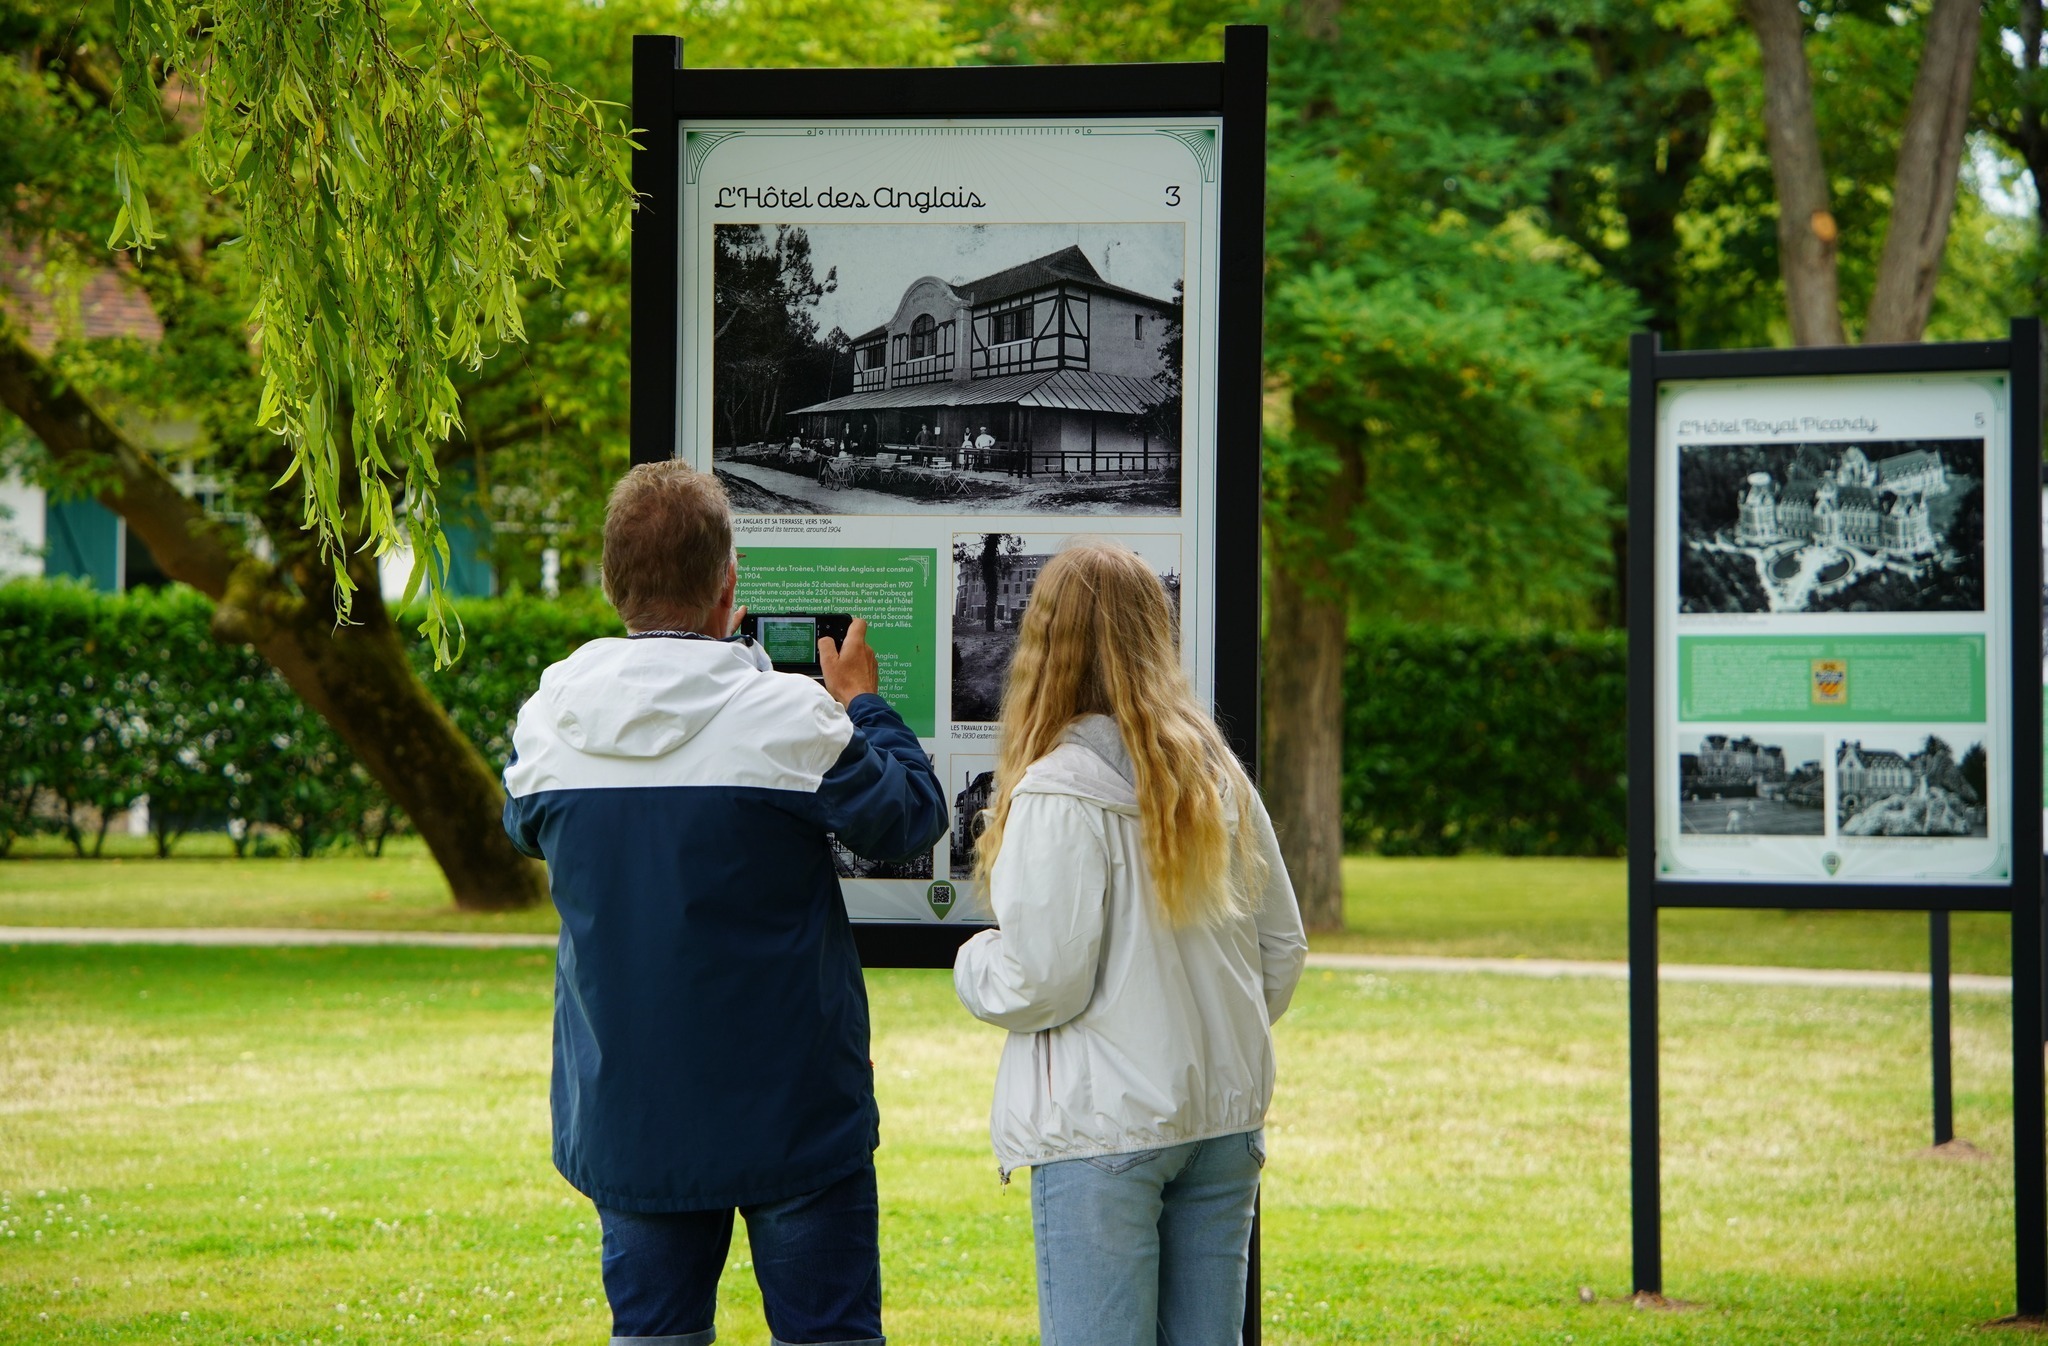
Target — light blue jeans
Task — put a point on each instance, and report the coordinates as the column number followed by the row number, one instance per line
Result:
column 1146, row 1249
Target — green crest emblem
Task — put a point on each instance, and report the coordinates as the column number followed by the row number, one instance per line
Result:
column 940, row 895
column 1831, row 862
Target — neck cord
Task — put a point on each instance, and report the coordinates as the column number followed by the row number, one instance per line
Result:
column 734, row 639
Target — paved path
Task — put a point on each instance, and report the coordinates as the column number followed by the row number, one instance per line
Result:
column 1824, row 978
column 253, row 937
column 1672, row 972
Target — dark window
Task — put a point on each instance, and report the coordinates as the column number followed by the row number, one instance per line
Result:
column 924, row 338
column 871, row 357
column 1138, row 326
column 1013, row 325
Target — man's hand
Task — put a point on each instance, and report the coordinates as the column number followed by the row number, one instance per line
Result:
column 850, row 670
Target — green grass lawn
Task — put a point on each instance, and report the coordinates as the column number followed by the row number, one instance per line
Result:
column 350, row 1145
column 1487, row 906
column 202, row 884
column 1476, row 905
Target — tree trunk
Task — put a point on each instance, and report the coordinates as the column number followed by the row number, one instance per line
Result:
column 2026, row 137
column 1302, row 775
column 1924, row 189
column 991, row 577
column 360, row 681
column 1806, row 224
column 1307, row 621
column 2032, row 143
column 356, row 676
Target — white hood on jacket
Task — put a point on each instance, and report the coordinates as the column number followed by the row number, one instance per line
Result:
column 1126, row 1032
column 617, row 712
column 642, row 698
column 1090, row 763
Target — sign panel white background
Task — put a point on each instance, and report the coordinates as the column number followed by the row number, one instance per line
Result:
column 1882, row 411
column 1090, row 175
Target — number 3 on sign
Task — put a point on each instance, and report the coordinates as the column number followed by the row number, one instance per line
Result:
column 1173, row 195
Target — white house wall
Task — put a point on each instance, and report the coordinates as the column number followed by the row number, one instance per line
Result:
column 1114, row 347
column 1113, row 433
column 23, row 528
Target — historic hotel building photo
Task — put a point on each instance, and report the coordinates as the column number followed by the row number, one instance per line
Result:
column 1054, row 363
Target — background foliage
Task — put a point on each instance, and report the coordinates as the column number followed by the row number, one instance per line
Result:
column 106, row 698
column 374, row 216
column 1469, row 205
column 1454, row 740
column 1485, row 740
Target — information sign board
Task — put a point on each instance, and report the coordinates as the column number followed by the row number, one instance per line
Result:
column 921, row 358
column 927, row 326
column 1835, row 631
column 1834, row 683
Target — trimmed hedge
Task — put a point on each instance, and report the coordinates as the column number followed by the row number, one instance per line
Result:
column 508, row 644
column 1454, row 741
column 104, row 699
column 1507, row 743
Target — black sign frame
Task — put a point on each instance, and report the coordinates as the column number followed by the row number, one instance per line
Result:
column 1234, row 89
column 2019, row 357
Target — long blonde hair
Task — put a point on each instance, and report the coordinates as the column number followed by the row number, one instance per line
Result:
column 1099, row 637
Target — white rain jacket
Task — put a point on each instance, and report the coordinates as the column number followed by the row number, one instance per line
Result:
column 1126, row 1034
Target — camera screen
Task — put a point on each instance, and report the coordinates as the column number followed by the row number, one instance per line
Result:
column 789, row 640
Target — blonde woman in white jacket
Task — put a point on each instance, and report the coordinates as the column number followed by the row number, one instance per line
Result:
column 1148, row 937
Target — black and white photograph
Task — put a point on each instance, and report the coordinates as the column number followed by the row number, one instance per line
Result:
column 1736, row 784
column 972, row 779
column 1880, row 526
column 850, row 866
column 875, row 369
column 993, row 576
column 1912, row 785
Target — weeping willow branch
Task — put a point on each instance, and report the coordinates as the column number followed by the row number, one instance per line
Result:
column 389, row 217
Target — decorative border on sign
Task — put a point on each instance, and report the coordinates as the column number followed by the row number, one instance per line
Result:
column 1199, row 141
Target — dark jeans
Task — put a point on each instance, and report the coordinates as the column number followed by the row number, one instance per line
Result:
column 817, row 1259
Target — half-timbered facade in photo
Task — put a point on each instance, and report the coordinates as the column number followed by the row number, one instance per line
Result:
column 1042, row 368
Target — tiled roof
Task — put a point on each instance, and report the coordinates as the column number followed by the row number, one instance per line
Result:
column 1872, row 758
column 110, row 304
column 1906, row 464
column 1069, row 265
column 1065, row 389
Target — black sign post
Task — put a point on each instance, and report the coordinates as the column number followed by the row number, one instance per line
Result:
column 1652, row 884
column 665, row 96
column 667, row 99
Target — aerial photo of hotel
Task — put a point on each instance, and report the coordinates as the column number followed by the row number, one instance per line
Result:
column 1886, row 526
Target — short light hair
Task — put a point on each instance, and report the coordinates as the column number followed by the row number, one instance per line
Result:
column 667, row 544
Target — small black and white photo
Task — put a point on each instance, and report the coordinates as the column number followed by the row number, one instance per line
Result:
column 1754, row 784
column 875, row 369
column 847, row 865
column 993, row 576
column 972, row 780
column 850, row 866
column 1912, row 785
column 1878, row 526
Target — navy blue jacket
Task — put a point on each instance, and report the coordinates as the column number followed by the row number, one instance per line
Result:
column 711, row 1023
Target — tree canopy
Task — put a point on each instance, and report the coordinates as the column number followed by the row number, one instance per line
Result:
column 387, row 251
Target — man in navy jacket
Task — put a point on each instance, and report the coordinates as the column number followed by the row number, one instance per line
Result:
column 711, row 1023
